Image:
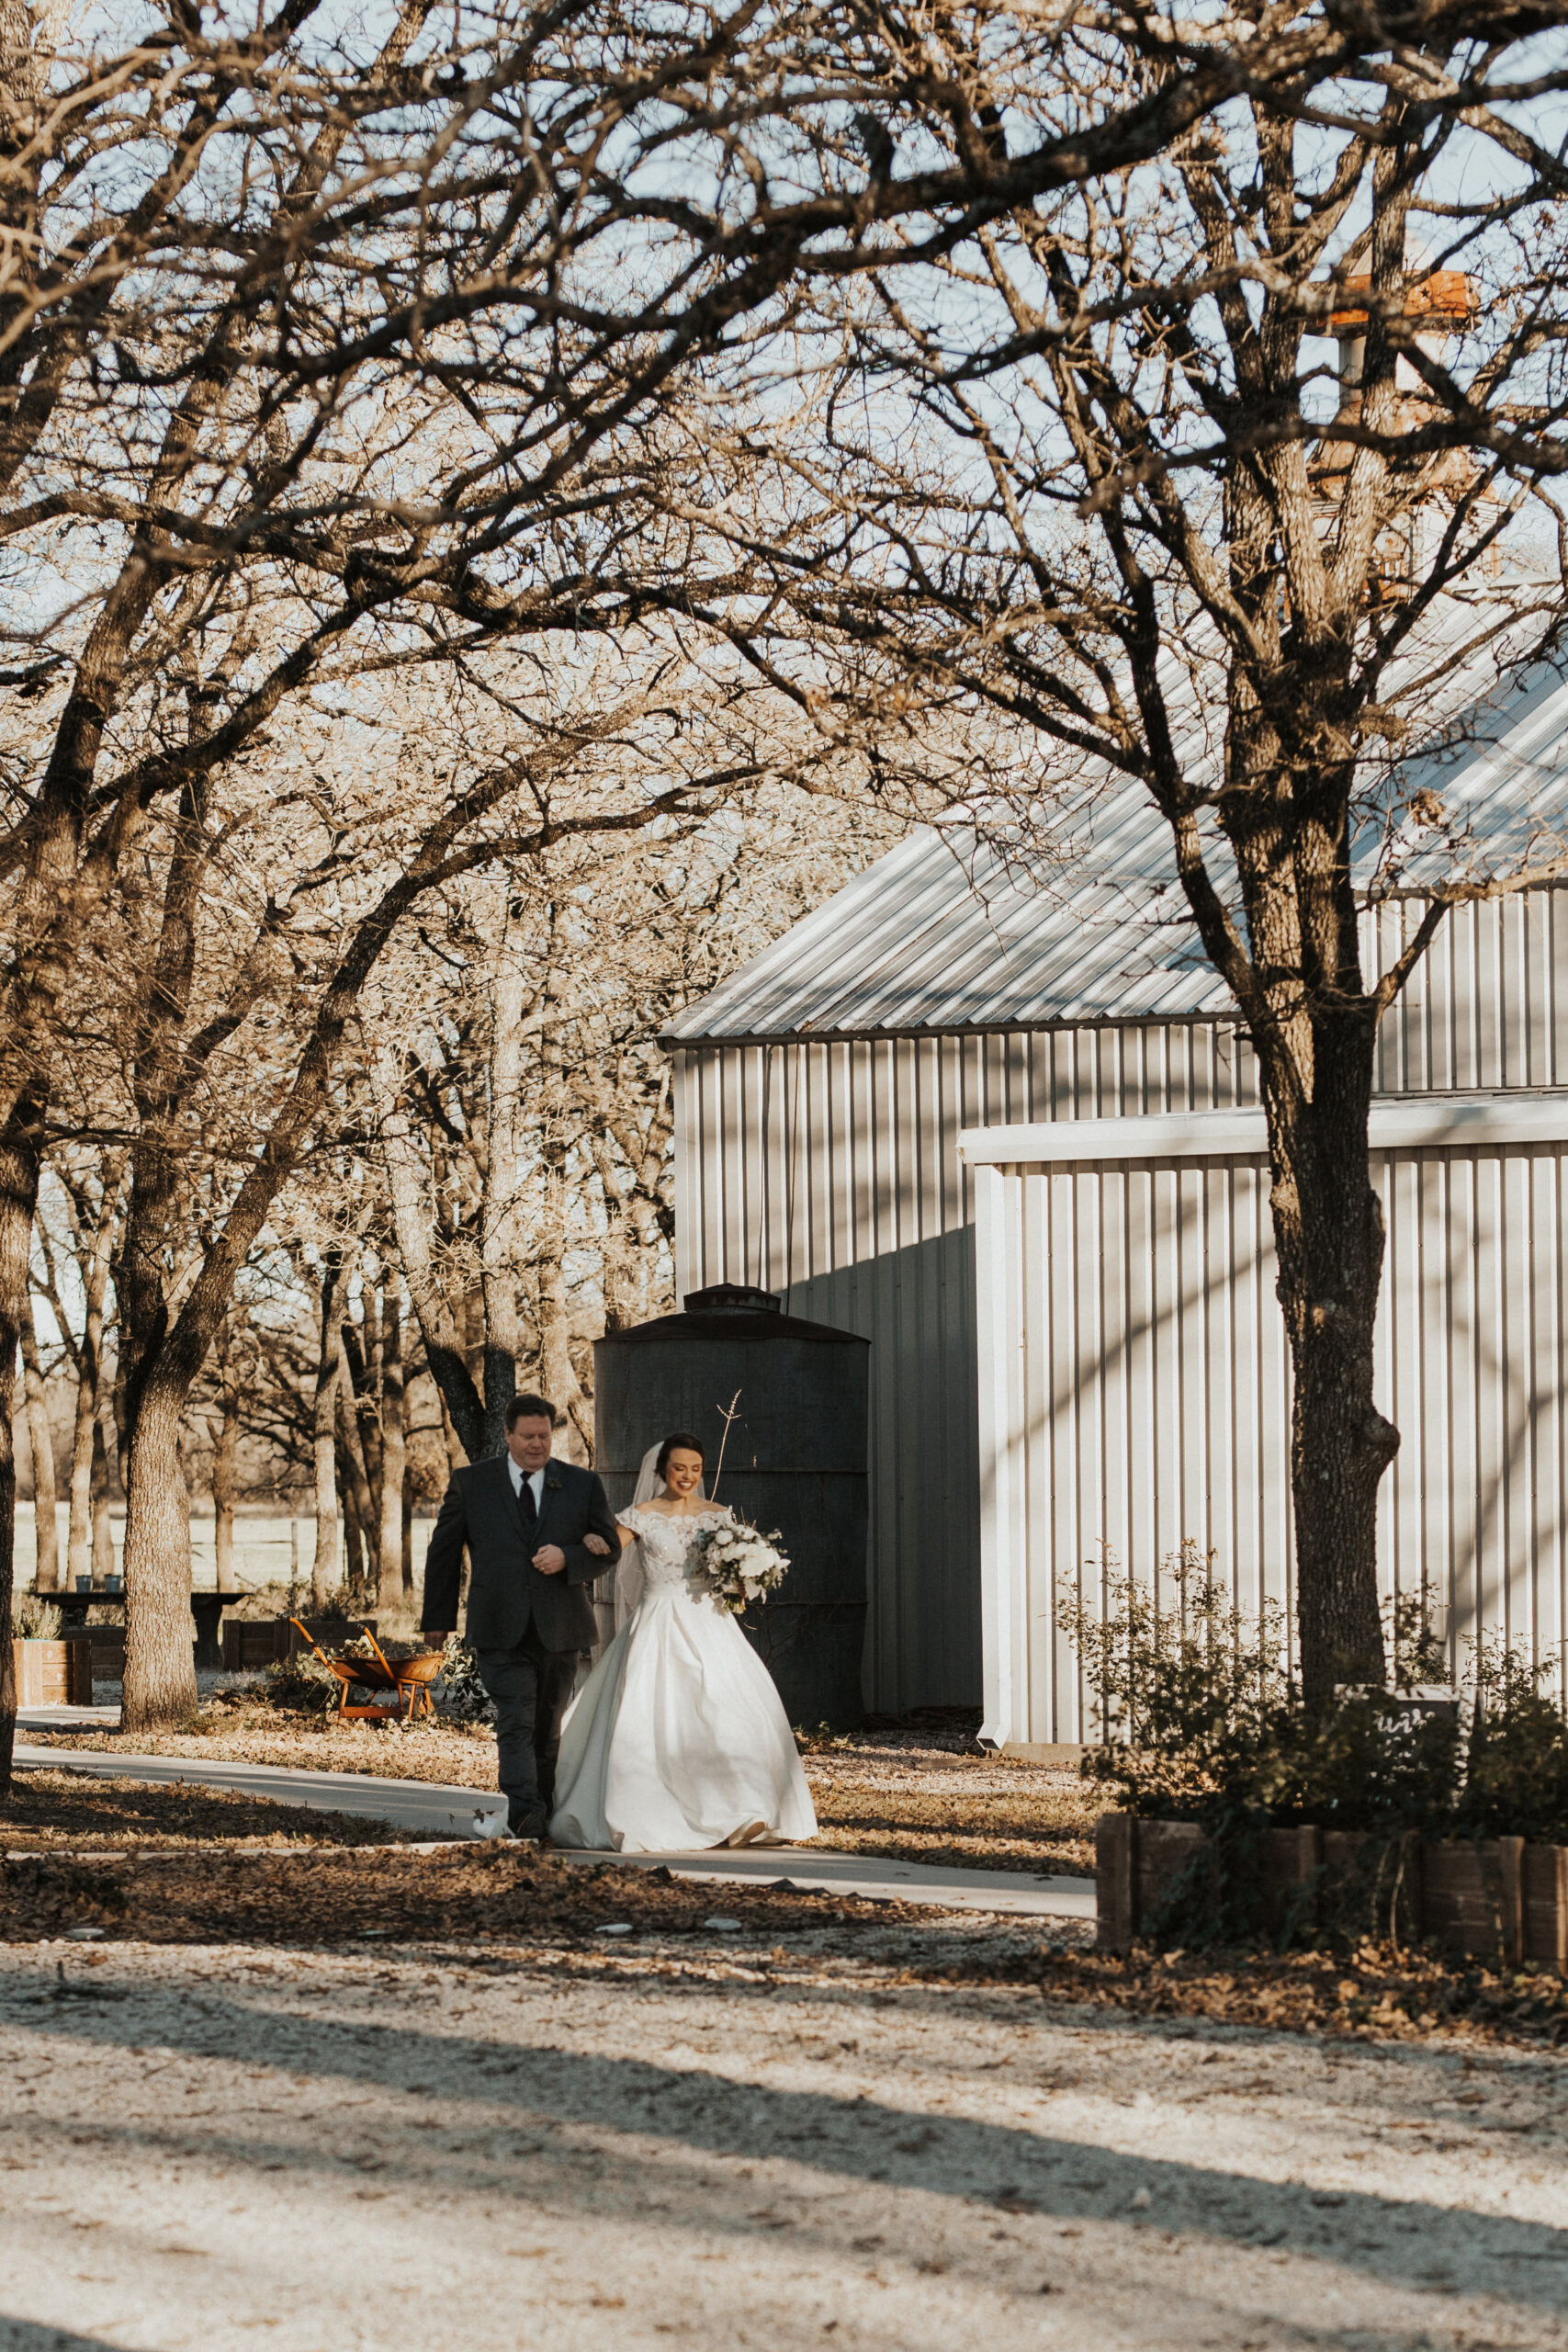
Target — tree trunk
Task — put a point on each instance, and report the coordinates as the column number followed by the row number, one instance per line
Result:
column 462, row 1408
column 361, row 1522
column 393, row 1454
column 325, row 1570
column 223, row 1459
column 160, row 1670
column 353, row 1584
column 18, row 1198
column 456, row 1455
column 556, row 1371
column 503, row 1184
column 362, row 1358
column 103, row 1534
column 41, row 1438
column 1328, row 1237
column 84, row 1437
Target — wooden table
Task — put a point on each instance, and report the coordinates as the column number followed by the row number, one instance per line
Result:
column 206, row 1607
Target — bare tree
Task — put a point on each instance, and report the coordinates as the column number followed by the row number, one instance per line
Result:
column 250, row 458
column 40, row 1439
column 1113, row 489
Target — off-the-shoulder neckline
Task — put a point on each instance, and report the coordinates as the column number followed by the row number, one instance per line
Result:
column 708, row 1511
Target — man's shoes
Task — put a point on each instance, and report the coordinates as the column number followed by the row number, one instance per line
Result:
column 529, row 1829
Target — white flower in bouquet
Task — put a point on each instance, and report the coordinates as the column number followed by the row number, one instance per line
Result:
column 736, row 1564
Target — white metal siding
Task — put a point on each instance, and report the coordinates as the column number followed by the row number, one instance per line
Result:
column 829, row 1172
column 828, row 1169
column 1140, row 1395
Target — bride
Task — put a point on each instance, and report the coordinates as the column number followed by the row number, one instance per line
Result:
column 678, row 1738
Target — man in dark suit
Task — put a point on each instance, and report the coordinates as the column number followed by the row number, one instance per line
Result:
column 524, row 1517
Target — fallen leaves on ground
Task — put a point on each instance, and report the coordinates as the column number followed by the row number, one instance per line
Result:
column 1379, row 1992
column 914, row 1790
column 900, row 1798
column 50, row 1810
column 326, row 1894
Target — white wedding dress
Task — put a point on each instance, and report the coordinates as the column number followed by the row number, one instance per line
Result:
column 678, row 1738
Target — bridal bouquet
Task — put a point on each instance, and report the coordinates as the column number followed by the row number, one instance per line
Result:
column 736, row 1564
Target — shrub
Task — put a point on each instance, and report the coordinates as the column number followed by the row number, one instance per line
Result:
column 299, row 1685
column 1202, row 1721
column 459, row 1694
column 34, row 1618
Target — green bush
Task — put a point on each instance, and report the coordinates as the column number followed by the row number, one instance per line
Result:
column 1202, row 1721
column 300, row 1685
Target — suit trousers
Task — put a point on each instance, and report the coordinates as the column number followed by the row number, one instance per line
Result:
column 530, row 1686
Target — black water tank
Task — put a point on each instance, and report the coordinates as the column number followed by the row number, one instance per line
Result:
column 795, row 1460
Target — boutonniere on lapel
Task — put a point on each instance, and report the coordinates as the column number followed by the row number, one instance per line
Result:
column 552, row 1486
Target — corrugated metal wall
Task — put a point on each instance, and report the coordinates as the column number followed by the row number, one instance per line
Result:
column 1135, row 1394
column 829, row 1171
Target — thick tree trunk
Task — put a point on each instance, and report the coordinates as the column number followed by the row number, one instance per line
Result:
column 160, row 1671
column 18, row 1198
column 325, row 1570
column 1328, row 1237
column 393, row 1456
column 224, row 1455
column 41, row 1438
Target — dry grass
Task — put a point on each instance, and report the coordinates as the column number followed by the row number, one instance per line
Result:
column 50, row 1811
column 918, row 1790
column 898, row 1797
column 249, row 1733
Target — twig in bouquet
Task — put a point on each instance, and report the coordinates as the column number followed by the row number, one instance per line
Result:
column 727, row 1415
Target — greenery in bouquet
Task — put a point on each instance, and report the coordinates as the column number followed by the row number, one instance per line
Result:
column 736, row 1564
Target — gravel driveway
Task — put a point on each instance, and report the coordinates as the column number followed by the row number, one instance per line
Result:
column 245, row 2147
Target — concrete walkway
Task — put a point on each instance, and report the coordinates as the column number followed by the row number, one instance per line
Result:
column 440, row 1811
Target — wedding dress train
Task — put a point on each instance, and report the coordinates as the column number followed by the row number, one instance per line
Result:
column 678, row 1738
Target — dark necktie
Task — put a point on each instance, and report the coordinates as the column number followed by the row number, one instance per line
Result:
column 525, row 1501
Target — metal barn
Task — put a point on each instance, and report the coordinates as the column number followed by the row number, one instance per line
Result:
column 1008, row 1132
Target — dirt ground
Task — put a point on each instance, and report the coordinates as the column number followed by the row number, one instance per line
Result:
column 741, row 2143
column 918, row 1792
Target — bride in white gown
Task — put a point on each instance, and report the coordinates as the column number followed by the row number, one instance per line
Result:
column 678, row 1738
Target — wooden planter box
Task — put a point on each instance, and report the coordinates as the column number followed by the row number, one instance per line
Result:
column 250, row 1643
column 1497, row 1900
column 54, row 1674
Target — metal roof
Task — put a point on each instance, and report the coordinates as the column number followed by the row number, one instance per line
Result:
column 951, row 932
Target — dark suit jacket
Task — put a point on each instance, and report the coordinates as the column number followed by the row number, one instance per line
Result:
column 506, row 1593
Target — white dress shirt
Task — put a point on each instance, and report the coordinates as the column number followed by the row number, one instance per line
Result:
column 536, row 1479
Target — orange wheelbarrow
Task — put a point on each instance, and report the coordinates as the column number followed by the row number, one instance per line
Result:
column 409, row 1678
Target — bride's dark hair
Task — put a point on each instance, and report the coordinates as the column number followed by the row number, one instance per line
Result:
column 679, row 1441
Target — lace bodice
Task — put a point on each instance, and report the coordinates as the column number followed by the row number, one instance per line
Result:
column 666, row 1543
